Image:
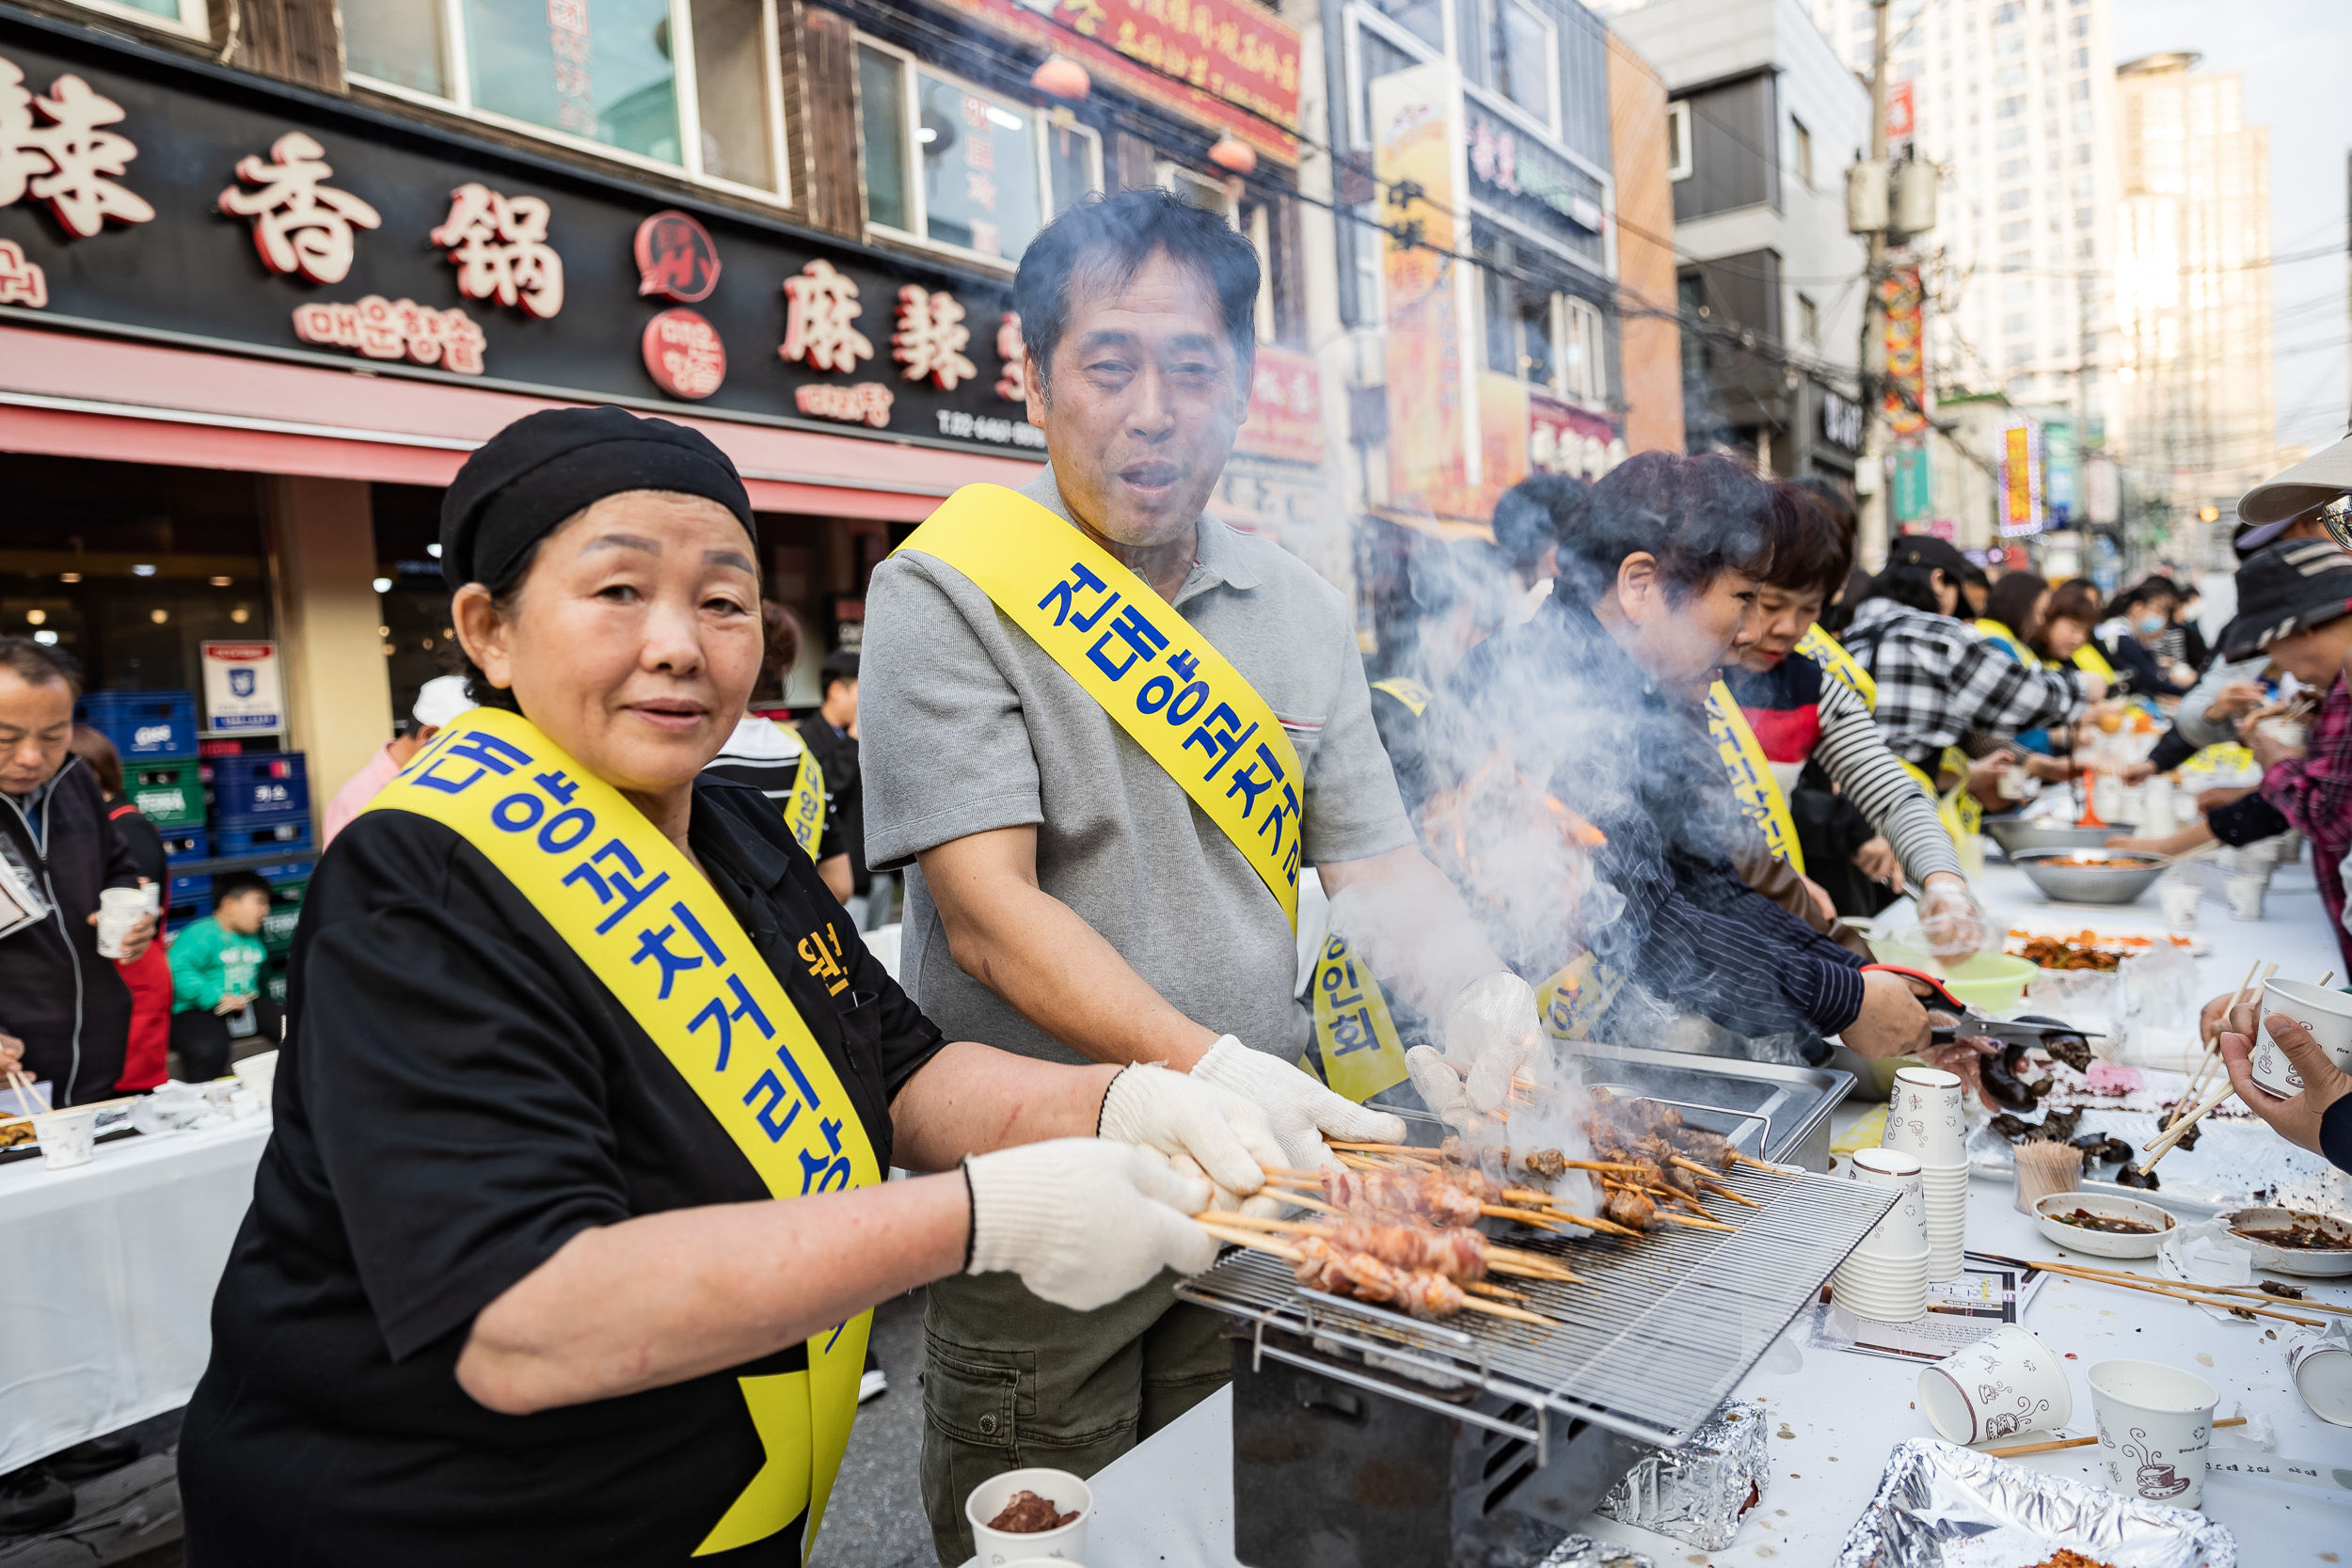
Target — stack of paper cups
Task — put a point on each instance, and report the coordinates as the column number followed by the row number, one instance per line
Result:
column 1885, row 1278
column 1926, row 1120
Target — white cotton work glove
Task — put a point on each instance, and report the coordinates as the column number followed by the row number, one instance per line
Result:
column 1224, row 1136
column 1954, row 923
column 1300, row 1110
column 1491, row 1027
column 1084, row 1221
column 1440, row 1087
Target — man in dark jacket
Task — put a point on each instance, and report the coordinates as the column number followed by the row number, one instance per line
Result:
column 64, row 1009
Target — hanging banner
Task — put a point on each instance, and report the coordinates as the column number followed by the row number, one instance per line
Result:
column 2021, row 481
column 1914, row 495
column 1434, row 450
column 1906, row 351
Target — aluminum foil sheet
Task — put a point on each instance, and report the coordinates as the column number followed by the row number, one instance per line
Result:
column 1700, row 1491
column 1582, row 1551
column 1940, row 1506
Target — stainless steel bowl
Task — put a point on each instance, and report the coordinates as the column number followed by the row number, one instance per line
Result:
column 2064, row 882
column 2016, row 837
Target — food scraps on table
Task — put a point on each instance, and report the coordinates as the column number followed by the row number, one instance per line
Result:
column 2067, row 1557
column 2109, row 1224
column 14, row 1132
column 2056, row 1127
column 2302, row 1232
column 1026, row 1513
column 2104, row 1147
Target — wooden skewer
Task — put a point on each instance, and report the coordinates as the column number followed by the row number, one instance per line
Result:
column 2181, row 1293
column 2324, row 978
column 1260, row 1243
column 1529, row 1265
column 1759, row 1164
column 1688, row 1222
column 1489, row 1289
column 1705, row 1176
column 21, row 1084
column 2249, row 1291
column 1352, row 1147
column 2025, row 1449
column 1301, row 1201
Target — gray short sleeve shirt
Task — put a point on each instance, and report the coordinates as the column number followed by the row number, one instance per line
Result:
column 966, row 725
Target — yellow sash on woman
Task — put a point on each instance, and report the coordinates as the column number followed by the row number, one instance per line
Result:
column 2089, row 659
column 1823, row 650
column 648, row 926
column 1958, row 811
column 1751, row 772
column 805, row 807
column 1189, row 709
column 2007, row 641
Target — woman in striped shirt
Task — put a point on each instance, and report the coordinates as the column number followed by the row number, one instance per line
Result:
column 1814, row 727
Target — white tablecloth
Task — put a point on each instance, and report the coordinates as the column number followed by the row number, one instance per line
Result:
column 106, row 1280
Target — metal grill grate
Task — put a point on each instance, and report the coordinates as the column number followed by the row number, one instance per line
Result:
column 1653, row 1341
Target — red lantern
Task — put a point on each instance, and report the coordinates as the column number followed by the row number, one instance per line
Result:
column 1233, row 155
column 1063, row 77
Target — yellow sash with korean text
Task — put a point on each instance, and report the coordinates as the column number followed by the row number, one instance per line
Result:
column 658, row 935
column 1750, row 772
column 1357, row 1051
column 1160, row 681
column 1824, row 650
column 805, row 807
column 1959, row 811
column 1573, row 1000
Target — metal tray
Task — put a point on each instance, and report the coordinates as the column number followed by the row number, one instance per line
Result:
column 1779, row 1114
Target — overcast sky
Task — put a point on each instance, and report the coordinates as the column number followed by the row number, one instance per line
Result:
column 2295, row 56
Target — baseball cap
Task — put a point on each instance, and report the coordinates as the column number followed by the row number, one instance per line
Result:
column 2317, row 480
column 2306, row 582
column 1926, row 549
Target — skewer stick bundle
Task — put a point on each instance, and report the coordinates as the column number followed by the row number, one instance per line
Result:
column 2024, row 1449
column 2249, row 1291
column 2179, row 1293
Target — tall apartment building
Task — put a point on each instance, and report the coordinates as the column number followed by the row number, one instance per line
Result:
column 2193, row 281
column 2015, row 100
column 1762, row 120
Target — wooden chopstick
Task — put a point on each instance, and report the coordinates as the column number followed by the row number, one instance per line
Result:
column 2179, row 1293
column 2120, row 1275
column 23, row 1084
column 2025, row 1449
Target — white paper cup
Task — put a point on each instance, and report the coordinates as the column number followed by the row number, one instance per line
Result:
column 2328, row 1014
column 67, row 1137
column 2320, row 1362
column 2179, row 898
column 1001, row 1548
column 2246, row 892
column 2007, row 1383
column 119, row 909
column 2154, row 1422
column 258, row 1073
column 1925, row 1119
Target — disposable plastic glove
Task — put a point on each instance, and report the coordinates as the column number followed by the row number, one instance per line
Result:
column 1084, row 1221
column 1227, row 1136
column 1440, row 1087
column 1955, row 924
column 1300, row 1110
column 1490, row 1028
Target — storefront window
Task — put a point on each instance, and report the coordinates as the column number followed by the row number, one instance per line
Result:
column 1522, row 50
column 992, row 173
column 180, row 16
column 601, row 71
column 126, row 568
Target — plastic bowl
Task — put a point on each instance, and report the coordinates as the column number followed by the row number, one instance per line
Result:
column 1989, row 982
column 2062, row 882
column 2105, row 1243
column 2248, row 1225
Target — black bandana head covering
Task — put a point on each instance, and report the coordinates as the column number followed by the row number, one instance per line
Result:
column 528, row 477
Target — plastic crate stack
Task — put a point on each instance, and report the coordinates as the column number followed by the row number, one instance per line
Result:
column 155, row 733
column 262, row 806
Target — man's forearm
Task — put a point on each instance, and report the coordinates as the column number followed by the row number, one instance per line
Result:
column 973, row 1098
column 1032, row 949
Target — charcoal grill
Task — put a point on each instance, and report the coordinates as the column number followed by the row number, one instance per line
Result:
column 1531, row 1419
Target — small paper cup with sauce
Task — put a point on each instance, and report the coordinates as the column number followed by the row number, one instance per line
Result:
column 999, row 1548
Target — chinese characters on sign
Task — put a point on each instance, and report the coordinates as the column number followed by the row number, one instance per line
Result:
column 22, row 282
column 299, row 225
column 575, row 90
column 931, row 338
column 64, row 157
column 500, row 246
column 392, row 328
column 1564, row 440
column 1494, row 156
column 677, row 259
column 1014, row 385
column 821, row 309
column 684, row 356
column 1286, row 417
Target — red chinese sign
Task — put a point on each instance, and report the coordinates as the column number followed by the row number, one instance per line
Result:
column 1285, row 407
column 1901, row 119
column 22, row 282
column 384, row 329
column 1563, row 439
column 1222, row 61
column 676, row 257
column 683, row 354
column 300, row 225
column 498, row 245
column 57, row 150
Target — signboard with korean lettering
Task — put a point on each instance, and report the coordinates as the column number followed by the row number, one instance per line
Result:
column 243, row 694
column 1285, row 418
column 141, row 196
column 1434, row 453
column 1227, row 63
column 1515, row 173
column 1563, row 439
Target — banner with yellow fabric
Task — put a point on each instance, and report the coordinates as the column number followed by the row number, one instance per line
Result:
column 1357, row 1051
column 649, row 926
column 805, row 807
column 1573, row 1000
column 1752, row 782
column 1824, row 650
column 1189, row 709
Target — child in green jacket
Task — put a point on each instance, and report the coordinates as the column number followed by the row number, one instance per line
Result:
column 217, row 980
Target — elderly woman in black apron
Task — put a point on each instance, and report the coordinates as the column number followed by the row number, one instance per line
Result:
column 562, row 1249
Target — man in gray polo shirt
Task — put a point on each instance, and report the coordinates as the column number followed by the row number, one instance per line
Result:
column 1066, row 897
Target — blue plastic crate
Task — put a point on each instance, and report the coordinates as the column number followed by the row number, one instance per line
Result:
column 190, row 897
column 266, row 783
column 260, row 835
column 142, row 724
column 186, row 844
column 285, row 871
